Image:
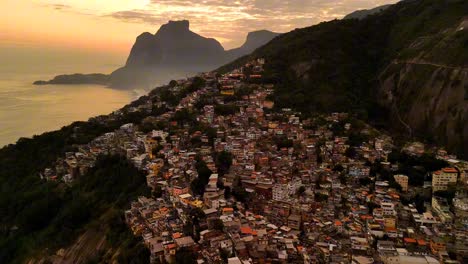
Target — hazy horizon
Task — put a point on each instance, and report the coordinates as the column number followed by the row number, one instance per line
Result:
column 112, row 26
column 28, row 110
column 41, row 39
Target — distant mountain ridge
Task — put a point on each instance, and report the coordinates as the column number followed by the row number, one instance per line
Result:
column 254, row 40
column 77, row 78
column 360, row 14
column 174, row 51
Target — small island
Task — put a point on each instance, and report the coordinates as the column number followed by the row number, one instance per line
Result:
column 77, row 78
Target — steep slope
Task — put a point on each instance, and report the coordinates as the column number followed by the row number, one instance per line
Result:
column 38, row 218
column 427, row 85
column 254, row 40
column 348, row 65
column 74, row 224
column 175, row 51
column 175, row 45
column 360, row 14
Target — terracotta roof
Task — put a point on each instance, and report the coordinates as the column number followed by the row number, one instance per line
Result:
column 171, row 246
column 409, row 240
column 421, row 242
column 246, row 230
column 449, row 170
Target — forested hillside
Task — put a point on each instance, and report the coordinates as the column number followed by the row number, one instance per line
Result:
column 393, row 65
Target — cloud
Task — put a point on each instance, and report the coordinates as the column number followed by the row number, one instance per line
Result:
column 60, row 6
column 230, row 20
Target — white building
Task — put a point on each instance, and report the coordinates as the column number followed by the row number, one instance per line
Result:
column 402, row 180
column 388, row 209
column 443, row 178
column 280, row 192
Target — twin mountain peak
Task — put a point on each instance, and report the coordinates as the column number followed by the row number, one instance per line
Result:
column 176, row 45
column 173, row 51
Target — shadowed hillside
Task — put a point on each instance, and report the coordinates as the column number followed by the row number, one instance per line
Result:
column 407, row 63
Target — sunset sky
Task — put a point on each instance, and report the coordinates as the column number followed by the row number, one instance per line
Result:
column 113, row 25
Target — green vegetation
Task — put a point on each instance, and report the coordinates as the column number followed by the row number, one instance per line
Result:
column 416, row 168
column 320, row 197
column 225, row 110
column 448, row 194
column 198, row 184
column 335, row 66
column 239, row 191
column 283, row 142
column 223, row 162
column 32, row 210
column 218, row 225
column 53, row 215
column 185, row 256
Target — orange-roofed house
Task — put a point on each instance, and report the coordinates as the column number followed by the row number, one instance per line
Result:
column 339, row 225
column 437, row 245
column 171, row 248
column 228, row 211
column 409, row 240
column 390, row 222
column 246, row 230
column 422, row 243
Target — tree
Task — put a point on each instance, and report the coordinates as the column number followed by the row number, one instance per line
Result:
column 227, row 192
column 319, row 197
column 157, row 193
column 372, row 206
column 283, row 142
column 173, row 83
column 218, row 225
column 224, row 254
column 301, row 190
column 338, row 168
column 188, row 228
column 185, row 256
column 223, row 162
column 365, row 181
column 226, row 109
column 448, row 194
column 240, row 194
column 350, row 152
column 198, row 184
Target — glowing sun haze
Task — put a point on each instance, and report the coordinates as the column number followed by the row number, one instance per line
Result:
column 113, row 25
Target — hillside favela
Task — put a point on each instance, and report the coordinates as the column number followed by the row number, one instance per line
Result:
column 237, row 132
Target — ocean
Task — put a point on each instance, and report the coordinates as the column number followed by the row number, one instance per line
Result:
column 27, row 110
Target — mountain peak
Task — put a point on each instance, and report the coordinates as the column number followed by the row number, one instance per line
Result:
column 258, row 32
column 258, row 38
column 363, row 13
column 176, row 26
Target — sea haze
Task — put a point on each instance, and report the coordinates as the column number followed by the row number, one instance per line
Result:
column 27, row 110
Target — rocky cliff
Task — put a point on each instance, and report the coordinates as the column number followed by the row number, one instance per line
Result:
column 360, row 14
column 406, row 64
column 254, row 40
column 428, row 101
column 77, row 78
column 175, row 45
column 176, row 51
